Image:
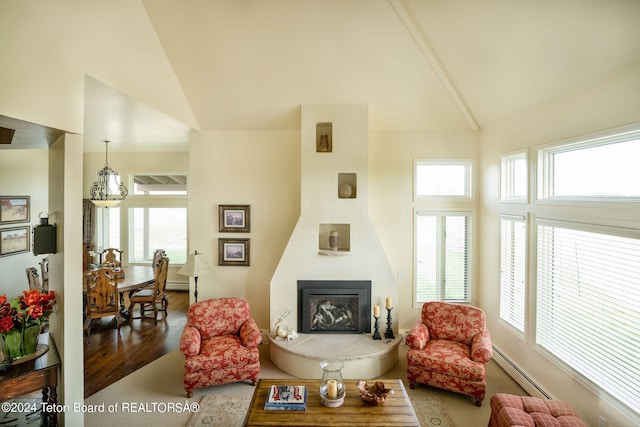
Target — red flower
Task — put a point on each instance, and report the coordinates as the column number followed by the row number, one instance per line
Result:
column 3, row 299
column 31, row 297
column 35, row 311
column 6, row 323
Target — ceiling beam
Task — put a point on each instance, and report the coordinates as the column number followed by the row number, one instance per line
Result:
column 422, row 43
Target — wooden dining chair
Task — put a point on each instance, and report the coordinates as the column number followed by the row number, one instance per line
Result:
column 153, row 298
column 102, row 300
column 111, row 257
column 157, row 255
column 33, row 278
column 44, row 270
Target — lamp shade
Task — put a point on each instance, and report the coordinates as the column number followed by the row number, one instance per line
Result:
column 195, row 266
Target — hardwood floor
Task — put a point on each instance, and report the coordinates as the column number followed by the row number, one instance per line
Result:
column 108, row 358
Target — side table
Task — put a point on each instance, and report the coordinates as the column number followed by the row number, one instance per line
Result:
column 40, row 373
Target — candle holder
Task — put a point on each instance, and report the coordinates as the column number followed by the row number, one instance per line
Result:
column 389, row 332
column 332, row 389
column 376, row 329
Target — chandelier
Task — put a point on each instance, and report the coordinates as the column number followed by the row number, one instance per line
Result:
column 107, row 191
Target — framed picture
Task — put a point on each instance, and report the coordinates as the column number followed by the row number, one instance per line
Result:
column 234, row 218
column 233, row 252
column 14, row 240
column 14, row 209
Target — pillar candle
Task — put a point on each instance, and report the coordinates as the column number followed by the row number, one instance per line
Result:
column 332, row 389
column 376, row 311
column 389, row 302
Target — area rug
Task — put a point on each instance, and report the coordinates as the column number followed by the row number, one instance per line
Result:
column 430, row 412
column 221, row 411
column 230, row 411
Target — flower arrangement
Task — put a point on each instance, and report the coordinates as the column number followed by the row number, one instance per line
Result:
column 20, row 321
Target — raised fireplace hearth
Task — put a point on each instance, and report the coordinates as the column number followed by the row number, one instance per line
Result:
column 334, row 306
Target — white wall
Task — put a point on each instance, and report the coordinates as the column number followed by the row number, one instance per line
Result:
column 601, row 105
column 23, row 173
column 260, row 169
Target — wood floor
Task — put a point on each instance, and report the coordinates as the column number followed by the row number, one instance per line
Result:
column 108, row 358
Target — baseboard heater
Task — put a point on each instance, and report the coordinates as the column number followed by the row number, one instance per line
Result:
column 524, row 380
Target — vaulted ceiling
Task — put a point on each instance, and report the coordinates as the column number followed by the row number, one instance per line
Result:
column 420, row 65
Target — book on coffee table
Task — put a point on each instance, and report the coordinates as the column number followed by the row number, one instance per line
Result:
column 286, row 398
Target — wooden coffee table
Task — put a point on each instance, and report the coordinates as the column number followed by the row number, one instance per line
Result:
column 395, row 411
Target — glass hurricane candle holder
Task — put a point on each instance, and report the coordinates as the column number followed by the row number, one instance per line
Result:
column 332, row 391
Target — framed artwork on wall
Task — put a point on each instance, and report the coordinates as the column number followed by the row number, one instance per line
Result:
column 14, row 240
column 233, row 252
column 234, row 218
column 14, row 209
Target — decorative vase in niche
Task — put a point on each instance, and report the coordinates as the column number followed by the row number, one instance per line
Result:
column 334, row 240
column 324, row 143
column 332, row 391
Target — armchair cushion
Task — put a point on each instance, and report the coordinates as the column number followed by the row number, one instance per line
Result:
column 481, row 347
column 418, row 337
column 250, row 334
column 190, row 341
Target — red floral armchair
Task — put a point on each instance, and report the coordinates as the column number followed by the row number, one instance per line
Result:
column 449, row 348
column 220, row 344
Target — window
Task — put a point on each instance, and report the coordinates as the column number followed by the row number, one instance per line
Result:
column 442, row 256
column 597, row 167
column 442, row 178
column 108, row 228
column 588, row 316
column 153, row 228
column 513, row 176
column 160, row 184
column 513, row 271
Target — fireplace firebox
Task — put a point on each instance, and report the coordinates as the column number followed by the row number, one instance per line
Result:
column 334, row 306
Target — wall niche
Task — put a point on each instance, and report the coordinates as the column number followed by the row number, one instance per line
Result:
column 347, row 185
column 324, row 137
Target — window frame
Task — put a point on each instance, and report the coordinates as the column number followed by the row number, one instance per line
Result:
column 468, row 178
column 507, row 177
column 520, row 332
column 545, row 166
column 470, row 215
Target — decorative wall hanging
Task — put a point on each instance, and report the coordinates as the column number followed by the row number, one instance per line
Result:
column 234, row 218
column 14, row 209
column 233, row 252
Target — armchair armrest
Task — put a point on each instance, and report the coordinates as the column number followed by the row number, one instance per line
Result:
column 250, row 334
column 481, row 347
column 418, row 337
column 190, row 341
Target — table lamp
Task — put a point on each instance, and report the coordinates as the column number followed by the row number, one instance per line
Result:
column 194, row 267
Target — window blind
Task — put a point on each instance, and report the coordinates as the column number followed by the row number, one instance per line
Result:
column 588, row 311
column 513, row 271
column 442, row 257
column 158, row 228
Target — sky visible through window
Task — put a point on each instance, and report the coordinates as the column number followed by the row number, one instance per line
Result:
column 610, row 170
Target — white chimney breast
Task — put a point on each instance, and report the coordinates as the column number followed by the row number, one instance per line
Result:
column 322, row 205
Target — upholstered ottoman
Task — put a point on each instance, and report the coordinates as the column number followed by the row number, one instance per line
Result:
column 508, row 410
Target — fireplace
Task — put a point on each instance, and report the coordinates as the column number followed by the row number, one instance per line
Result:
column 334, row 306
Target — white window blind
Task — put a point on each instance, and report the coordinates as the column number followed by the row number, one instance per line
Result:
column 442, row 257
column 513, row 271
column 157, row 228
column 588, row 292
